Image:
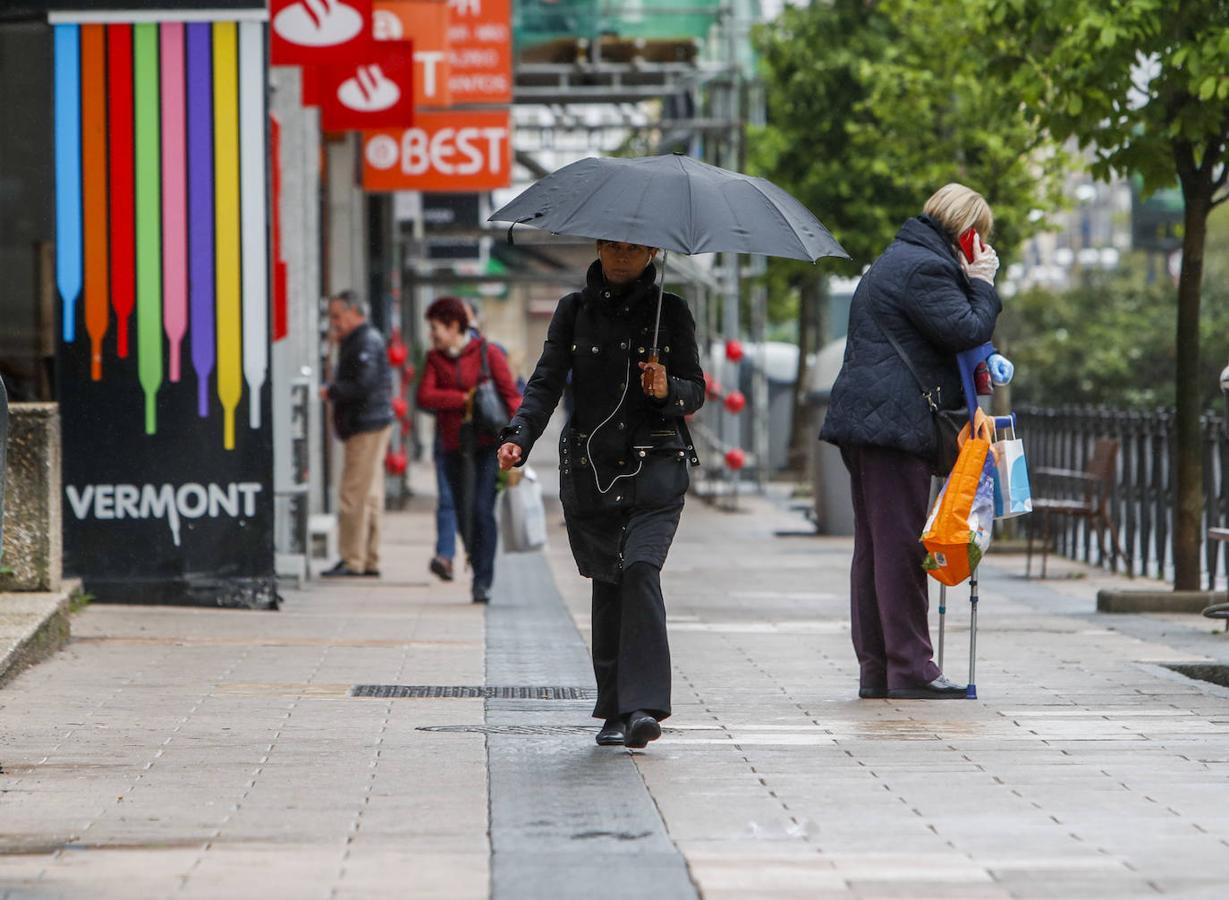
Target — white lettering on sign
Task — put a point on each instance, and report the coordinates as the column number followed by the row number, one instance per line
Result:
column 466, row 7
column 148, row 501
column 453, row 151
column 427, row 61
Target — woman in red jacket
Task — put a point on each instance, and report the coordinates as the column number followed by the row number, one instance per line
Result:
column 450, row 377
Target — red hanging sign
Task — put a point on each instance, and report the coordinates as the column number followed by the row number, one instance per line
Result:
column 425, row 22
column 376, row 93
column 281, row 324
column 306, row 32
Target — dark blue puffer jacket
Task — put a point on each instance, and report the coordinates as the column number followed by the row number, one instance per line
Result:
column 921, row 294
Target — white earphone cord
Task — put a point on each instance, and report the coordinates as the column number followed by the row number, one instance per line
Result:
column 589, row 443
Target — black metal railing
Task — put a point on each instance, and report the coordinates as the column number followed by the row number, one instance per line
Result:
column 1142, row 491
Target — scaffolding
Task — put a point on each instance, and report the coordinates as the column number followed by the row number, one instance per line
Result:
column 641, row 77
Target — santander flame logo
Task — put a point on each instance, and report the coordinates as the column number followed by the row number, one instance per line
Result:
column 318, row 23
column 368, row 91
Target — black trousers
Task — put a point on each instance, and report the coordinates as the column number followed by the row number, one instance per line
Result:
column 631, row 654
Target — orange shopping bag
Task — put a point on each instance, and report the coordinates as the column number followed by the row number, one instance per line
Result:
column 958, row 532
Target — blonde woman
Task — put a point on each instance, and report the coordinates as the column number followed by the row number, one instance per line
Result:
column 921, row 303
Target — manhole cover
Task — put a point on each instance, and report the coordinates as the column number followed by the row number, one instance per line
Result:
column 472, row 692
column 1209, row 672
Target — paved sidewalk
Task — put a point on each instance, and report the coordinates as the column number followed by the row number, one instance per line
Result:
column 174, row 752
column 1085, row 769
column 216, row 753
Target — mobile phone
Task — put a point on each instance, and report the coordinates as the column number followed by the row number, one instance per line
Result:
column 966, row 242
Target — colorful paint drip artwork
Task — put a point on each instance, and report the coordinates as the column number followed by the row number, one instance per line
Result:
column 161, row 206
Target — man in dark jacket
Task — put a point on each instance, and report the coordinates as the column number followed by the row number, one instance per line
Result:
column 623, row 468
column 923, row 293
column 361, row 395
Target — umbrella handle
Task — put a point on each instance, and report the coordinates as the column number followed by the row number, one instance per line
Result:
column 646, row 377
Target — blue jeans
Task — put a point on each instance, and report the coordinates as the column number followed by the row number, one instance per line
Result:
column 445, row 510
column 484, row 538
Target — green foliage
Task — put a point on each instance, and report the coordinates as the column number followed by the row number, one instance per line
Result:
column 1109, row 341
column 79, row 600
column 871, row 107
column 1143, row 84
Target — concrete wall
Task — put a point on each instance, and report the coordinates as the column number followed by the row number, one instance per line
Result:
column 32, row 520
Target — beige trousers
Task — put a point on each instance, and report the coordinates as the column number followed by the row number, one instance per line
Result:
column 362, row 498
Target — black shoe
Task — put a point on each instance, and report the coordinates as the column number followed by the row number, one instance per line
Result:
column 441, row 568
column 612, row 734
column 341, row 570
column 371, row 573
column 482, row 595
column 939, row 689
column 641, row 728
column 879, row 692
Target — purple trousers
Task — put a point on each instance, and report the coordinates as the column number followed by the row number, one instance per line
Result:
column 889, row 601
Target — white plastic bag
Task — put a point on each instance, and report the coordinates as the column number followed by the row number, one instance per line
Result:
column 1012, row 494
column 523, row 514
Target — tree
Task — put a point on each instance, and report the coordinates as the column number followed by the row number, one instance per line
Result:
column 1143, row 86
column 870, row 108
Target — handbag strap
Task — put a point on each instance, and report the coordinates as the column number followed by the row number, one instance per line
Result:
column 484, row 373
column 928, row 394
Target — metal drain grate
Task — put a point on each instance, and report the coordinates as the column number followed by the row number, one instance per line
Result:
column 526, row 730
column 472, row 692
column 1209, row 672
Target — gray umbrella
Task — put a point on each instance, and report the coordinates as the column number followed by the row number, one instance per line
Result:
column 674, row 203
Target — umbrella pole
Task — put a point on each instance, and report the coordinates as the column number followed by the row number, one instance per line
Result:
column 654, row 356
column 661, row 290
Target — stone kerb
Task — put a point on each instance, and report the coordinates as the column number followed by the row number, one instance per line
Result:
column 32, row 500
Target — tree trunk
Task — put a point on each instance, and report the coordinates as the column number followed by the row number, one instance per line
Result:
column 1188, row 449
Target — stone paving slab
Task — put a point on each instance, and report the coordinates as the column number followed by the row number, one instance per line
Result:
column 1085, row 769
column 32, row 627
column 207, row 753
column 215, row 753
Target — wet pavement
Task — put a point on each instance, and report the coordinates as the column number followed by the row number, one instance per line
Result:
column 182, row 752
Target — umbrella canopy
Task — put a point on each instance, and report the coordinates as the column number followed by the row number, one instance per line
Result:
column 675, row 203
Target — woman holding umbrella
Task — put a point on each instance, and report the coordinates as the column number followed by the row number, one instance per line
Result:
column 636, row 376
column 624, row 460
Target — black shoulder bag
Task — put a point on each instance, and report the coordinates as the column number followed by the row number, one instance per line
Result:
column 490, row 413
column 948, row 423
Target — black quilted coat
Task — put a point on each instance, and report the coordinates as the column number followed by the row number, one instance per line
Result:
column 918, row 291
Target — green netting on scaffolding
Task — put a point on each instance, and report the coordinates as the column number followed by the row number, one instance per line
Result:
column 539, row 21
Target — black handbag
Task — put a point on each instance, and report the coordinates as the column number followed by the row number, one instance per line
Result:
column 948, row 423
column 490, row 414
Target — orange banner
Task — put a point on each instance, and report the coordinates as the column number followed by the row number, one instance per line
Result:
column 425, row 22
column 444, row 151
column 480, row 32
